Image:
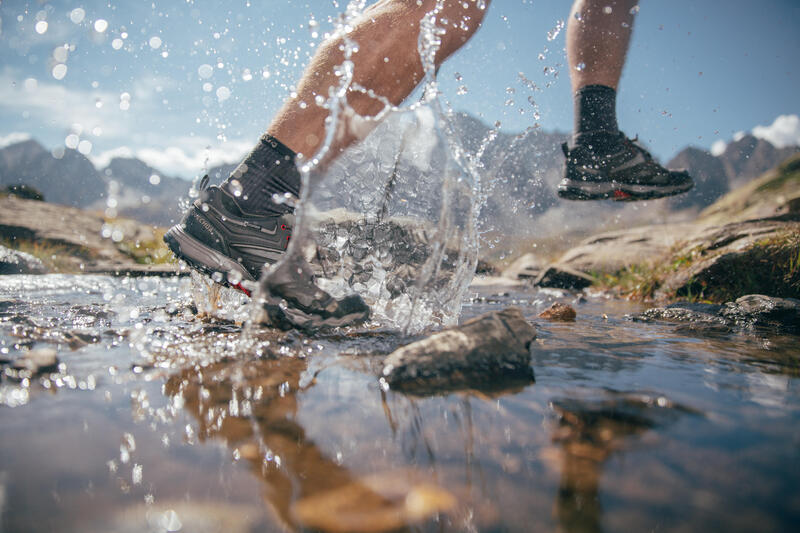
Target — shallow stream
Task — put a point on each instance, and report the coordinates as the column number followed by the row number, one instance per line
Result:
column 157, row 420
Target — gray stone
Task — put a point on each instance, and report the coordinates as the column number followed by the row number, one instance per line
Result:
column 751, row 311
column 764, row 311
column 488, row 351
column 563, row 277
column 16, row 262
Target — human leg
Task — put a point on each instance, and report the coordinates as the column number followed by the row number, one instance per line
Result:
column 603, row 163
column 238, row 228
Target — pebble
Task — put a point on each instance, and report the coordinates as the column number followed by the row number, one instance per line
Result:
column 559, row 312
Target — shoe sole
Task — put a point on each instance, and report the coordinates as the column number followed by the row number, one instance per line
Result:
column 581, row 190
column 204, row 259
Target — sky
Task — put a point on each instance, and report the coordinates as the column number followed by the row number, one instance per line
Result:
column 184, row 84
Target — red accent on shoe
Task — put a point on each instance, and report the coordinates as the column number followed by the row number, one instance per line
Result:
column 238, row 286
column 621, row 195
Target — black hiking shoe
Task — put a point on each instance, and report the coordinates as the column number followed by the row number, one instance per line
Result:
column 218, row 239
column 291, row 299
column 624, row 172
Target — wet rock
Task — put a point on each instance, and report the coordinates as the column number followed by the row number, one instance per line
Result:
column 385, row 502
column 16, row 262
column 484, row 352
column 764, row 311
column 563, row 277
column 751, row 311
column 559, row 312
column 38, row 361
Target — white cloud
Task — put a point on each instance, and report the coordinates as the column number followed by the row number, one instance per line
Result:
column 784, row 131
column 189, row 157
column 718, row 148
column 13, row 138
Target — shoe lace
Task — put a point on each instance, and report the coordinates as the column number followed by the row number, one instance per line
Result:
column 634, row 143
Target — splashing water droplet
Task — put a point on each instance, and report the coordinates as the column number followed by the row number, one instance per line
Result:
column 85, row 147
column 155, row 179
column 71, row 141
column 223, row 93
column 205, row 71
column 635, row 9
column 608, row 10
column 207, row 87
column 155, row 42
column 458, row 76
column 59, row 71
column 60, row 54
column 462, row 90
column 100, row 25
column 580, row 66
column 552, row 34
column 578, row 15
column 41, row 27
column 235, row 187
column 77, row 15
column 247, row 75
column 116, row 44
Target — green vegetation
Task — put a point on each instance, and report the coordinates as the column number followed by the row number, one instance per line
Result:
column 149, row 252
column 56, row 257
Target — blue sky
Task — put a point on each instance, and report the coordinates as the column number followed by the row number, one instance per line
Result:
column 179, row 83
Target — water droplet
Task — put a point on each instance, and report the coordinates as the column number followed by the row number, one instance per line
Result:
column 462, row 90
column 100, row 25
column 59, row 71
column 635, row 9
column 578, row 15
column 207, row 87
column 60, row 54
column 30, row 84
column 155, row 42
column 77, row 15
column 608, row 10
column 223, row 93
column 155, row 179
column 235, row 187
column 247, row 75
column 170, row 521
column 580, row 66
column 136, row 474
column 205, row 71
column 41, row 27
column 85, row 147
column 71, row 141
column 116, row 44
column 458, row 76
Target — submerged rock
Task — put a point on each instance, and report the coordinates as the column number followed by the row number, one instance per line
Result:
column 559, row 311
column 384, row 502
column 16, row 262
column 751, row 311
column 486, row 351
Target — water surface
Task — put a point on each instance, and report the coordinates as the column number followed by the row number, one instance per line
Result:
column 161, row 421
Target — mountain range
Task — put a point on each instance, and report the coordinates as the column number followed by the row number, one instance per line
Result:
column 519, row 174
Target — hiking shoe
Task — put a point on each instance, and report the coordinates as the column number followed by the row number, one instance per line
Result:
column 218, row 239
column 624, row 171
column 291, row 299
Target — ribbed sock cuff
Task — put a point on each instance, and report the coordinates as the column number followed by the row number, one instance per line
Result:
column 269, row 169
column 595, row 111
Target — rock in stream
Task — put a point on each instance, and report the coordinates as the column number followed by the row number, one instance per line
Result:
column 485, row 352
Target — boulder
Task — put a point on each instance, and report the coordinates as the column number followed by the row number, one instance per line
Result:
column 16, row 262
column 37, row 362
column 559, row 276
column 484, row 352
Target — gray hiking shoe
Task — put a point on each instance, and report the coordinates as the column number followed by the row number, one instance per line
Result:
column 218, row 239
column 291, row 299
column 624, row 171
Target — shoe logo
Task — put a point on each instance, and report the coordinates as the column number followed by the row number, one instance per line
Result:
column 638, row 160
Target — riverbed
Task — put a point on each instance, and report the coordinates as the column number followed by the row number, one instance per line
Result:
column 162, row 418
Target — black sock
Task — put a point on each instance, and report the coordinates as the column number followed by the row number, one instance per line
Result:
column 595, row 114
column 269, row 169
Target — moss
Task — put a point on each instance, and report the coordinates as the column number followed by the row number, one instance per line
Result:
column 148, row 252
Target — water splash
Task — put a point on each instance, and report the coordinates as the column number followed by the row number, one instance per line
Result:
column 393, row 218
